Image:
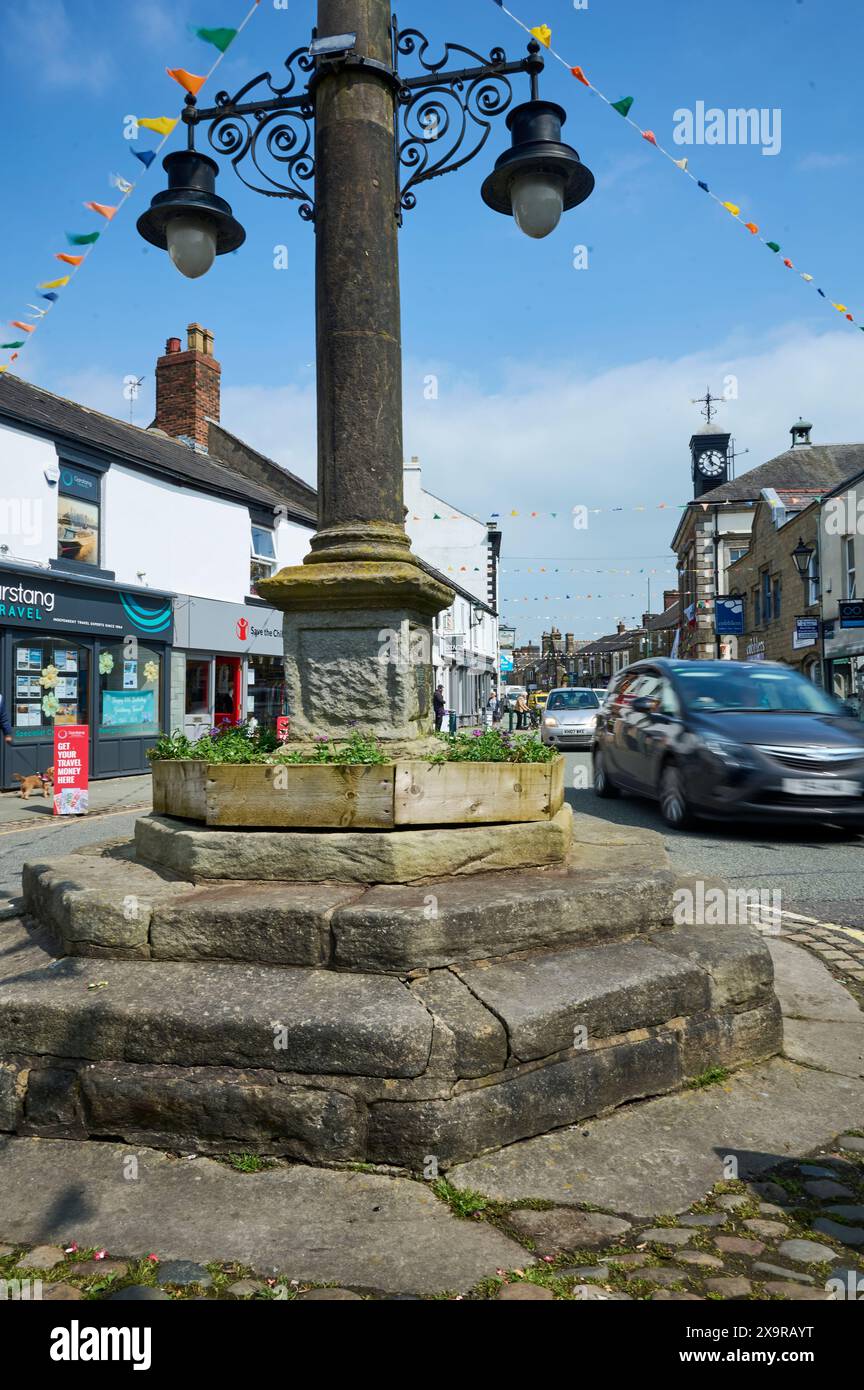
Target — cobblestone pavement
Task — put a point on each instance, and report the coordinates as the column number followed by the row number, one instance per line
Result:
column 840, row 948
column 797, row 1233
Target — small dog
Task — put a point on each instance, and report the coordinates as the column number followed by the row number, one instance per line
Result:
column 34, row 782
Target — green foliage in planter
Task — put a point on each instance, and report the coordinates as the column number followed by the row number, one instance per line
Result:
column 493, row 746
column 240, row 744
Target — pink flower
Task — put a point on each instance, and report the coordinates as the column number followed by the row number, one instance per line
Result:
column 72, row 1249
column 154, row 1258
column 550, row 1259
column 101, row 1255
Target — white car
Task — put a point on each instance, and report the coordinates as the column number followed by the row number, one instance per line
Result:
column 570, row 717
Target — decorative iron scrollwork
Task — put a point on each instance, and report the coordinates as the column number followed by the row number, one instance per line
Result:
column 270, row 134
column 447, row 117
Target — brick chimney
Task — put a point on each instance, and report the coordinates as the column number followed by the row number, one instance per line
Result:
column 569, row 643
column 187, row 386
column 622, row 627
column 670, row 597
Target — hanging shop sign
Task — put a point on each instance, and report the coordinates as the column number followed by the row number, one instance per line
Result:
column 851, row 612
column 729, row 616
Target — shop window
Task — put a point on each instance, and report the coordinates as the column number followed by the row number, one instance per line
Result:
column 197, row 686
column 265, row 695
column 129, row 685
column 263, row 555
column 813, row 579
column 78, row 515
column 50, row 687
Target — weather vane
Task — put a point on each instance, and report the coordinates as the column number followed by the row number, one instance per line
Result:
column 709, row 404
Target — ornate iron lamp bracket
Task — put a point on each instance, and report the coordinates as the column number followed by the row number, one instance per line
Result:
column 447, row 117
column 444, row 118
column 269, row 138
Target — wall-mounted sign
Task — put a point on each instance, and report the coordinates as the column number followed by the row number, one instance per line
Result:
column 42, row 600
column 756, row 650
column 729, row 616
column 506, row 662
column 806, row 632
column 851, row 612
column 211, row 625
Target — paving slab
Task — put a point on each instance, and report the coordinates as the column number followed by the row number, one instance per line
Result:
column 363, row 1230
column 662, row 1155
column 807, row 990
column 831, row 1046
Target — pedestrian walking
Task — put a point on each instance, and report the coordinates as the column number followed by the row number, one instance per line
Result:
column 521, row 712
column 438, row 705
column 493, row 710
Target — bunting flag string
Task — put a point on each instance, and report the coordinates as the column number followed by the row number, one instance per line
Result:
column 163, row 126
column 565, row 515
column 623, row 106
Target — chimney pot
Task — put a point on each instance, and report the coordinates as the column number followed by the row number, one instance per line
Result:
column 172, row 345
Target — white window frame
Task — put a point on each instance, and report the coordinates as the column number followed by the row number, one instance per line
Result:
column 849, row 573
column 257, row 556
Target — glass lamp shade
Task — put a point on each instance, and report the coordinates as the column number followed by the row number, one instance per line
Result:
column 191, row 244
column 538, row 202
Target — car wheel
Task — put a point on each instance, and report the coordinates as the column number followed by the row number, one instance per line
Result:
column 603, row 784
column 674, row 807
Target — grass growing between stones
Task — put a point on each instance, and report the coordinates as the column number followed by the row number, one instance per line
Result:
column 713, row 1076
column 247, row 1163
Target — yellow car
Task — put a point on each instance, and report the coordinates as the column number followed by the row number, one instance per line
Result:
column 537, row 700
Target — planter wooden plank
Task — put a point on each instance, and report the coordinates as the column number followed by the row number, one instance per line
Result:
column 477, row 793
column 306, row 796
column 180, row 789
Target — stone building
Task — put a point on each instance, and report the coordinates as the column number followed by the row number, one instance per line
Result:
column 714, row 530
column 774, row 595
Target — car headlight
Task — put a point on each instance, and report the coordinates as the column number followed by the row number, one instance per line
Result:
column 727, row 750
column 550, row 721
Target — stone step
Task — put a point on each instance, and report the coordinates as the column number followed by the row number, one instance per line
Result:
column 110, row 906
column 301, row 1020
column 563, row 999
column 322, row 1064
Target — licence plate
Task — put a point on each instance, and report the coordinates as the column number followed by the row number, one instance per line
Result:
column 815, row 786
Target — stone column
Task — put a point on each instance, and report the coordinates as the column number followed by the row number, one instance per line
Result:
column 358, row 611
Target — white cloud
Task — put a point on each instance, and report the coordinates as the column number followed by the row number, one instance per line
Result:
column 40, row 36
column 816, row 162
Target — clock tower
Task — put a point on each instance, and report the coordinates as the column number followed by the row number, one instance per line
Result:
column 709, row 452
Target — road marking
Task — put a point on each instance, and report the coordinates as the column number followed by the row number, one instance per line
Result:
column 810, row 922
column 55, row 822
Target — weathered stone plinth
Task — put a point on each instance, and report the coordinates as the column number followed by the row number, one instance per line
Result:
column 363, row 1021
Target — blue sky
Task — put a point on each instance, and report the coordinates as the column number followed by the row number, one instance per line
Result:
column 556, row 387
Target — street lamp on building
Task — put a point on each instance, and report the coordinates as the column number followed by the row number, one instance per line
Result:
column 350, row 137
column 802, row 556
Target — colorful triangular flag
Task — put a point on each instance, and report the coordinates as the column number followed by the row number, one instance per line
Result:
column 680, row 163
column 54, row 284
column 103, row 210
column 146, row 157
column 70, row 260
column 117, row 181
column 580, row 76
column 733, row 208
column 773, row 246
column 82, row 238
column 188, row 80
column 163, row 125
column 220, row 38
column 543, row 34
column 649, row 136
column 622, row 106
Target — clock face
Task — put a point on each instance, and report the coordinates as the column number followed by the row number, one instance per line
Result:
column 711, row 464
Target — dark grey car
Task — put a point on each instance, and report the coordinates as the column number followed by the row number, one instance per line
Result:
column 747, row 740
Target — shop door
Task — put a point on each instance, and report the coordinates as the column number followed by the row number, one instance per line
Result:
column 46, row 683
column 227, row 706
column 197, row 719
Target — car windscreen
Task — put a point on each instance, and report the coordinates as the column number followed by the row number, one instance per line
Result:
column 573, row 699
column 711, row 689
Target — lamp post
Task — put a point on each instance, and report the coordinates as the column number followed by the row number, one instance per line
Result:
column 359, row 610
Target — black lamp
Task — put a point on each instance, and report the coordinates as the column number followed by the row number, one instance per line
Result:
column 802, row 555
column 188, row 220
column 539, row 177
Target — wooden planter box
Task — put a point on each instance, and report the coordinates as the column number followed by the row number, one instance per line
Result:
column 315, row 796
